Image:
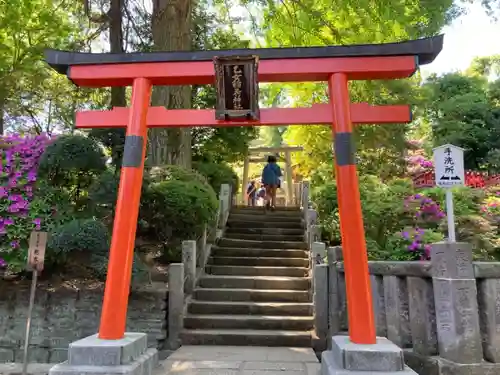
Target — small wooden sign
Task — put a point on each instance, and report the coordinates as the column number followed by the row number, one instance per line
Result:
column 236, row 82
column 36, row 251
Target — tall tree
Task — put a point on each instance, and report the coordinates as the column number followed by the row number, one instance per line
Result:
column 112, row 19
column 464, row 109
column 27, row 27
column 323, row 22
column 171, row 29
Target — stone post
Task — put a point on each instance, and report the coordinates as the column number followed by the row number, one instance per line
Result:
column 318, row 250
column 314, row 235
column 225, row 197
column 175, row 304
column 334, row 255
column 244, row 183
column 377, row 284
column 189, row 262
column 397, row 312
column 321, row 303
column 201, row 249
column 422, row 316
column 489, row 309
column 305, row 196
column 455, row 295
column 318, row 253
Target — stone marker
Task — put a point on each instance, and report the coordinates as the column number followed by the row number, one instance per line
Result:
column 455, row 296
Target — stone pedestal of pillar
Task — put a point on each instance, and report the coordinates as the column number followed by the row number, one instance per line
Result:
column 347, row 358
column 93, row 356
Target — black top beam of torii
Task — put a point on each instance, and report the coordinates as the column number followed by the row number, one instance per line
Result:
column 425, row 50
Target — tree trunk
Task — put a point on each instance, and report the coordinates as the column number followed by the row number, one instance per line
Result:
column 117, row 93
column 171, row 25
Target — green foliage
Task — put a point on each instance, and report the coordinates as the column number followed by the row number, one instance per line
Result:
column 411, row 220
column 49, row 208
column 104, row 191
column 86, row 235
column 217, row 174
column 463, row 109
column 36, row 98
column 178, row 173
column 306, row 23
column 177, row 210
column 72, row 161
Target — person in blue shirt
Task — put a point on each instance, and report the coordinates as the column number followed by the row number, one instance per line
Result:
column 271, row 179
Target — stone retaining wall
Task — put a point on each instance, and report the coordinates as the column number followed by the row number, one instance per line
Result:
column 445, row 313
column 64, row 314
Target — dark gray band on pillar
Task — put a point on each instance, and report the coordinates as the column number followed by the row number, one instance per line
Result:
column 344, row 149
column 132, row 154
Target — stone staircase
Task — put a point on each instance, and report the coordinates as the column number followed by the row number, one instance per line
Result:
column 257, row 286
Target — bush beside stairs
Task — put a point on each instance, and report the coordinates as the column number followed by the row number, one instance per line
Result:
column 256, row 289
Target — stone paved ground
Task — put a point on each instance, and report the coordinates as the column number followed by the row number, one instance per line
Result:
column 240, row 360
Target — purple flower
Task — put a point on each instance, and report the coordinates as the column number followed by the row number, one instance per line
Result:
column 3, row 263
column 14, row 244
column 37, row 223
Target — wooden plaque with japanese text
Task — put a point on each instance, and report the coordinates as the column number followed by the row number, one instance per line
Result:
column 236, row 82
column 36, row 251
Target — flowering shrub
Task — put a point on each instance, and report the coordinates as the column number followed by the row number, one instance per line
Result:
column 491, row 207
column 424, row 209
column 413, row 243
column 21, row 210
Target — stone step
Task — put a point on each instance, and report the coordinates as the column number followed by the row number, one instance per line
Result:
column 263, row 224
column 265, row 237
column 246, row 337
column 261, row 209
column 255, row 252
column 250, row 308
column 270, row 230
column 254, row 282
column 257, row 271
column 231, row 242
column 264, row 261
column 265, row 218
column 254, row 295
column 267, row 322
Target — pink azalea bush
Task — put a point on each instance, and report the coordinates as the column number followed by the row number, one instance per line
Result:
column 491, row 207
column 21, row 209
column 425, row 215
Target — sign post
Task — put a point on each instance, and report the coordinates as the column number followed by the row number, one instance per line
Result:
column 449, row 172
column 36, row 255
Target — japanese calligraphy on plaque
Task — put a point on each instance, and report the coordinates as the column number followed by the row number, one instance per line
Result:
column 237, row 88
column 449, row 166
column 36, row 251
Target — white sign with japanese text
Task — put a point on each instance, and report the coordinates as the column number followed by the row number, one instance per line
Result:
column 449, row 166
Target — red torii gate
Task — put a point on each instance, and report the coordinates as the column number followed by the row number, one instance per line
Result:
column 334, row 64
